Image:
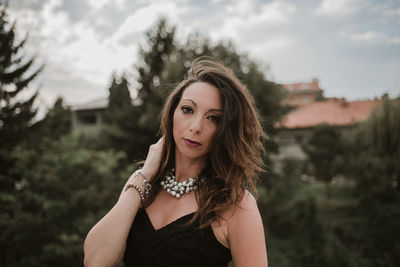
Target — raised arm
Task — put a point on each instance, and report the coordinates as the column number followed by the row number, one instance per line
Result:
column 246, row 235
column 105, row 242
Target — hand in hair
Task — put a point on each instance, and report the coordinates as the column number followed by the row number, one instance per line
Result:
column 153, row 158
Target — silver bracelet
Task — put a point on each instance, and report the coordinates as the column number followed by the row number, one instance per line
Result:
column 146, row 184
column 137, row 189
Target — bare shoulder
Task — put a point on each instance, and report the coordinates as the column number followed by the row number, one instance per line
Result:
column 248, row 201
column 246, row 233
column 247, row 209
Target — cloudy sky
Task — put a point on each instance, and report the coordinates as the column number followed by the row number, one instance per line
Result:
column 351, row 46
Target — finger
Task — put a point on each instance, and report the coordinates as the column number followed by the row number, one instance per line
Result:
column 160, row 141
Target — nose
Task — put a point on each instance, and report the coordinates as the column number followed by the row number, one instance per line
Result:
column 196, row 125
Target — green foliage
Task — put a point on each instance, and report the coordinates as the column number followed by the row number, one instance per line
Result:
column 296, row 233
column 323, row 149
column 119, row 97
column 120, row 119
column 374, row 147
column 372, row 161
column 55, row 124
column 133, row 129
column 17, row 71
column 59, row 196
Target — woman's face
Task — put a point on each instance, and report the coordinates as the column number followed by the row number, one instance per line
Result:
column 196, row 120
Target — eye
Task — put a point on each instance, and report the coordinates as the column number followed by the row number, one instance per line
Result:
column 214, row 118
column 187, row 110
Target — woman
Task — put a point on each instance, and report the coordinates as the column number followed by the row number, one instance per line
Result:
column 189, row 204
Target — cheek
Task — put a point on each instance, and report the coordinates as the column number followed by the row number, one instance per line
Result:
column 212, row 133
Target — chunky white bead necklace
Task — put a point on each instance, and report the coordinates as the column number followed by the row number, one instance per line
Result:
column 177, row 189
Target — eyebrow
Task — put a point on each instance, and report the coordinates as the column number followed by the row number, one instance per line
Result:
column 194, row 104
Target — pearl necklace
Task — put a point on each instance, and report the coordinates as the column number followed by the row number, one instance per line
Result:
column 177, row 189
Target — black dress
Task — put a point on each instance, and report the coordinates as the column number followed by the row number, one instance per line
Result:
column 173, row 245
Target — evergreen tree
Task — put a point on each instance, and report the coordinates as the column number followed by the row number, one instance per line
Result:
column 17, row 71
column 120, row 119
column 55, row 124
column 152, row 90
column 133, row 128
column 119, row 96
column 160, row 44
column 63, row 190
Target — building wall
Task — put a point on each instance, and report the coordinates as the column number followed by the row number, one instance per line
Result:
column 87, row 122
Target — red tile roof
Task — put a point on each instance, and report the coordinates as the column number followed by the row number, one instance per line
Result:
column 334, row 112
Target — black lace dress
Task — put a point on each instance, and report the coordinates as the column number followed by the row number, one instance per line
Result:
column 173, row 245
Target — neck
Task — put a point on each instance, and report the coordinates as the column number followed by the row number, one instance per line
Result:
column 187, row 168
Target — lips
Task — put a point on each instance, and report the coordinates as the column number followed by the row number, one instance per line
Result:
column 191, row 143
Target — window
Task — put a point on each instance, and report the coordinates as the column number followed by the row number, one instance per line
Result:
column 87, row 118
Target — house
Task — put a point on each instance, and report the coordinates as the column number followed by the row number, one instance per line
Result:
column 87, row 119
column 297, row 126
column 303, row 93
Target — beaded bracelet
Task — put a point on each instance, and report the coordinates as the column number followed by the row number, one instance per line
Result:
column 146, row 185
column 137, row 189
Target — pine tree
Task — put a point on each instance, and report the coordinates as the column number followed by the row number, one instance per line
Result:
column 17, row 71
column 119, row 97
column 160, row 44
column 120, row 119
column 140, row 125
column 55, row 124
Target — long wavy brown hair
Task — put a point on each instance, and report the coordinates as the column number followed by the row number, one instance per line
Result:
column 236, row 151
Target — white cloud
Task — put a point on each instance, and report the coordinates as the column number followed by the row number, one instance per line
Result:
column 373, row 38
column 393, row 40
column 144, row 17
column 56, row 24
column 369, row 36
column 80, row 56
column 98, row 4
column 392, row 13
column 337, row 7
column 264, row 17
column 242, row 8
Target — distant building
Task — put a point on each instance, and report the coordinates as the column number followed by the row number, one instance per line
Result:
column 302, row 94
column 87, row 119
column 297, row 126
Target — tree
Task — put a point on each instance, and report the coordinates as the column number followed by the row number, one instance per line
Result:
column 370, row 159
column 152, row 90
column 119, row 97
column 120, row 119
column 55, row 124
column 323, row 148
column 17, row 71
column 374, row 147
column 63, row 190
column 296, row 232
